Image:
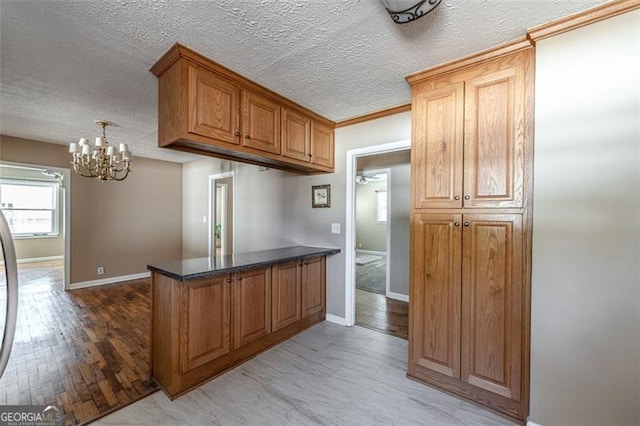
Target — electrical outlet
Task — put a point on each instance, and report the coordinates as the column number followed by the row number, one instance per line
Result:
column 335, row 228
column 204, row 219
column 359, row 245
column 100, row 270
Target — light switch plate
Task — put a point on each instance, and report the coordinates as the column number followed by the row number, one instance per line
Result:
column 335, row 228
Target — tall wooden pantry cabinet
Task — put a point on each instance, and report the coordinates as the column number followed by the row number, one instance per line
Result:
column 471, row 227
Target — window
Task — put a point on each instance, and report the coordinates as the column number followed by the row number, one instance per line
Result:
column 31, row 207
column 381, row 210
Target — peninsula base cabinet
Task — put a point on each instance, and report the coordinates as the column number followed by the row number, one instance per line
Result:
column 203, row 327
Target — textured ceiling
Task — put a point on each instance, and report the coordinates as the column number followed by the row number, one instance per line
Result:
column 65, row 63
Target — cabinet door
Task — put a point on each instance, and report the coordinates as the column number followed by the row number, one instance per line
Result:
column 296, row 135
column 321, row 145
column 252, row 315
column 437, row 146
column 494, row 138
column 214, row 106
column 261, row 123
column 313, row 286
column 205, row 321
column 492, row 303
column 434, row 342
column 285, row 294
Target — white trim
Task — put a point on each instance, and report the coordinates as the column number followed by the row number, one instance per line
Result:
column 36, row 259
column 350, row 225
column 530, row 423
column 211, row 213
column 39, row 259
column 379, row 253
column 398, row 296
column 336, row 319
column 105, row 281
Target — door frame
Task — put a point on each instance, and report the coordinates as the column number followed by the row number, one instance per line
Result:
column 65, row 189
column 350, row 225
column 212, row 210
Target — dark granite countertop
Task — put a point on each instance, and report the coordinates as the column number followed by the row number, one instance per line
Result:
column 203, row 267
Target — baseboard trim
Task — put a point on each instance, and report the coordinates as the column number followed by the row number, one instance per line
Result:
column 398, row 296
column 530, row 423
column 105, row 281
column 380, row 253
column 36, row 259
column 336, row 319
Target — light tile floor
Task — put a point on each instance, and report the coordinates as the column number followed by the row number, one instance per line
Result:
column 328, row 374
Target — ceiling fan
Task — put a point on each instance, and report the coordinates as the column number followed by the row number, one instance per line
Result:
column 363, row 178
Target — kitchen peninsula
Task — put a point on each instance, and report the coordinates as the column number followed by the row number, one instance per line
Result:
column 211, row 314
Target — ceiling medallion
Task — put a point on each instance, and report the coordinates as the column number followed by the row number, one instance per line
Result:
column 403, row 11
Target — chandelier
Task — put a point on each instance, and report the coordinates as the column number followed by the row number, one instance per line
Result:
column 101, row 161
column 403, row 11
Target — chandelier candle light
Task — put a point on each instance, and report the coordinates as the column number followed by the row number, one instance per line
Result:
column 101, row 161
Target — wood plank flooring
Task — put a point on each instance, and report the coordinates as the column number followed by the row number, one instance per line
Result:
column 86, row 350
column 327, row 375
column 377, row 312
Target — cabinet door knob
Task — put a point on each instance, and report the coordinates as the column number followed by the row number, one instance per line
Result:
column 466, row 224
column 310, row 155
column 248, row 136
column 457, row 197
column 228, row 280
column 467, row 197
column 237, row 133
column 456, row 224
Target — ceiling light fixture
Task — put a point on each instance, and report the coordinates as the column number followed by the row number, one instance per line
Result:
column 403, row 11
column 101, row 161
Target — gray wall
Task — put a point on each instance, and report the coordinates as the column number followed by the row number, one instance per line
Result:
column 399, row 228
column 258, row 209
column 585, row 349
column 313, row 226
column 370, row 234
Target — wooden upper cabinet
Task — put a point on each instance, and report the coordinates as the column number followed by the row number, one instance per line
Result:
column 434, row 344
column 261, row 122
column 296, row 135
column 214, row 106
column 322, row 145
column 208, row 109
column 494, row 138
column 252, row 312
column 493, row 303
column 313, row 286
column 285, row 294
column 437, row 146
column 471, row 135
column 205, row 321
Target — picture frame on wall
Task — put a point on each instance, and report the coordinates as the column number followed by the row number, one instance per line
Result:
column 320, row 196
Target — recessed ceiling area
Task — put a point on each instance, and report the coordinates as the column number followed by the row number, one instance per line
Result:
column 64, row 64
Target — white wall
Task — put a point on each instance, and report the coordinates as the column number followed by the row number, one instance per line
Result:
column 313, row 226
column 258, row 208
column 585, row 356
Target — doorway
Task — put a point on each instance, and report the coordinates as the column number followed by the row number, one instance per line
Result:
column 36, row 201
column 377, row 231
column 221, row 214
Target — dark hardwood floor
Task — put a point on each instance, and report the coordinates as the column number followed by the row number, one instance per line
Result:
column 377, row 312
column 85, row 350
